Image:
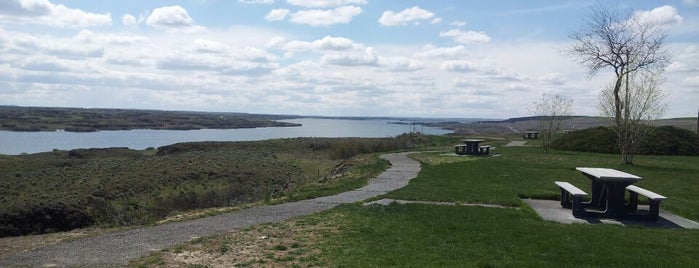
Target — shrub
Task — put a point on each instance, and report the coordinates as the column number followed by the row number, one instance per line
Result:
column 665, row 140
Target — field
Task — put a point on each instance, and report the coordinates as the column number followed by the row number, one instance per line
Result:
column 65, row 190
column 416, row 235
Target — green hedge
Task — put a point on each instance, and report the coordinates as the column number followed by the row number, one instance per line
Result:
column 665, row 140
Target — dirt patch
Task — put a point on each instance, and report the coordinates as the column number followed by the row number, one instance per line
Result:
column 13, row 245
column 284, row 244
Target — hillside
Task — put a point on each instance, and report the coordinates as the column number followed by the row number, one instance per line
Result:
column 522, row 124
column 16, row 118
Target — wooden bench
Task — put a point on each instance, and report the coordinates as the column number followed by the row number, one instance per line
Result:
column 567, row 191
column 653, row 200
column 484, row 150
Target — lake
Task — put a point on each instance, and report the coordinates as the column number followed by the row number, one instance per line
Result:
column 13, row 143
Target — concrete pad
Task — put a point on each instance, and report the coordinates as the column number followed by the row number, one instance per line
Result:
column 551, row 210
column 516, row 144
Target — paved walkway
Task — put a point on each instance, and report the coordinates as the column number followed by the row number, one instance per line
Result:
column 117, row 249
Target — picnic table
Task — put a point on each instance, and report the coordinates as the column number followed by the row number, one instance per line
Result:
column 608, row 190
column 531, row 134
column 468, row 147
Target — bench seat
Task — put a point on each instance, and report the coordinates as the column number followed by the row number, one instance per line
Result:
column 653, row 201
column 484, row 150
column 567, row 191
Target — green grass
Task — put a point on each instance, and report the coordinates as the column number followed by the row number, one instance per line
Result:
column 416, row 235
column 528, row 172
column 445, row 236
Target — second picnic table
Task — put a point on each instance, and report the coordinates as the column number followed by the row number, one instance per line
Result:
column 468, row 147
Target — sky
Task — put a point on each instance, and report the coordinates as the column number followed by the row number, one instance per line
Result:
column 445, row 59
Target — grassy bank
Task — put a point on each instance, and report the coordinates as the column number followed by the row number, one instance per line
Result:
column 63, row 190
column 455, row 236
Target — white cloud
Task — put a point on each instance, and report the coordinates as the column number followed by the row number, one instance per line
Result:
column 25, row 8
column 46, row 13
column 208, row 46
column 460, row 66
column 129, row 20
column 430, row 51
column 266, row 2
column 467, row 37
column 327, row 17
column 172, row 19
column 401, row 64
column 277, row 14
column 413, row 14
column 436, row 21
column 366, row 57
column 327, row 43
column 458, row 23
column 690, row 2
column 325, row 3
column 664, row 15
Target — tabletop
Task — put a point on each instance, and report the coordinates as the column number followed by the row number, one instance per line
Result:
column 471, row 140
column 608, row 174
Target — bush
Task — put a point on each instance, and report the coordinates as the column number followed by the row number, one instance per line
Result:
column 595, row 140
column 668, row 140
column 665, row 140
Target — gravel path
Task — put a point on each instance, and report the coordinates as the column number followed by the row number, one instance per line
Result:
column 117, row 249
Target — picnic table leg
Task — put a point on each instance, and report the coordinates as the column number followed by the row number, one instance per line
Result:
column 615, row 203
column 577, row 206
column 565, row 199
column 654, row 209
column 633, row 201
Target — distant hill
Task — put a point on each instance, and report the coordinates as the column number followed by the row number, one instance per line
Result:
column 17, row 118
column 522, row 124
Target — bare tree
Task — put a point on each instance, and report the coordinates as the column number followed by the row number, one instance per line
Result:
column 627, row 45
column 551, row 112
column 644, row 100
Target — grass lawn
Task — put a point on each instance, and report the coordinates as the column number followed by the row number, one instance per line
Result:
column 415, row 235
column 437, row 236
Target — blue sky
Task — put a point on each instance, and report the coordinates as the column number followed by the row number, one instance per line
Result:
column 488, row 59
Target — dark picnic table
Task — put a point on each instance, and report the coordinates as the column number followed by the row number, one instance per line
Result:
column 468, row 147
column 608, row 190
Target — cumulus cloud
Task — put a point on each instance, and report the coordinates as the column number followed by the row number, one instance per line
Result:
column 430, row 51
column 408, row 15
column 172, row 19
column 129, row 20
column 366, row 57
column 401, row 64
column 460, row 66
column 326, row 17
column 46, row 13
column 466, row 37
column 327, row 43
column 277, row 14
column 664, row 15
column 325, row 3
column 208, row 46
column 25, row 8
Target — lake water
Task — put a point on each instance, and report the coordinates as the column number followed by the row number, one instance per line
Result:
column 33, row 142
